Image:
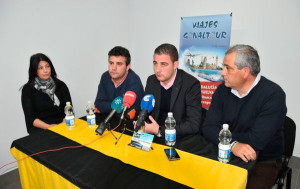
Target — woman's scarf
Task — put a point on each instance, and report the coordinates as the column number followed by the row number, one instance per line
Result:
column 47, row 86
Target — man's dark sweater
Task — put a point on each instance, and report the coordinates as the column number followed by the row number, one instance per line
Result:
column 107, row 91
column 256, row 119
column 164, row 106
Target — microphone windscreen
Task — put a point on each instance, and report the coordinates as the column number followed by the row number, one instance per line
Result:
column 117, row 104
column 131, row 114
column 97, row 111
column 148, row 102
column 129, row 99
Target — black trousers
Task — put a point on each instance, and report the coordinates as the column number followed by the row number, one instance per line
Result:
column 264, row 174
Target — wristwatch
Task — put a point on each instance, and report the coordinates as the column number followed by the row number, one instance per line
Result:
column 159, row 133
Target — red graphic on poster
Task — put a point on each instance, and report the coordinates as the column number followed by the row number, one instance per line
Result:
column 207, row 90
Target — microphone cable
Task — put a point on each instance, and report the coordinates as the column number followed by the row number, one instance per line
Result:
column 58, row 149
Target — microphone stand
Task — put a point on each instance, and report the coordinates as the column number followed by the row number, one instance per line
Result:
column 109, row 128
column 123, row 121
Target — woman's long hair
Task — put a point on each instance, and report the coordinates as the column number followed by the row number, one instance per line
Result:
column 34, row 64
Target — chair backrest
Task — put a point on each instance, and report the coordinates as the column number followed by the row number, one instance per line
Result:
column 289, row 136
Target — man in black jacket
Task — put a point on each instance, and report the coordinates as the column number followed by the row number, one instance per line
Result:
column 174, row 91
column 255, row 109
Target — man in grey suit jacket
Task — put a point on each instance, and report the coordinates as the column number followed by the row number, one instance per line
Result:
column 174, row 91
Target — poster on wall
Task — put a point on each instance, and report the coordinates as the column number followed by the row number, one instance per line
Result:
column 203, row 43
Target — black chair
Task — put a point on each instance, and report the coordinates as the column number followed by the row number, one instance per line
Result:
column 289, row 142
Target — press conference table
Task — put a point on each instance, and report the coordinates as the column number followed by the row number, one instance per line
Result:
column 102, row 164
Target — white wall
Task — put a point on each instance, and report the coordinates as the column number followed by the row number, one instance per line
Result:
column 75, row 34
column 78, row 34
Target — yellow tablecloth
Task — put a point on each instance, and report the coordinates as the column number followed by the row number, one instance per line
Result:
column 191, row 170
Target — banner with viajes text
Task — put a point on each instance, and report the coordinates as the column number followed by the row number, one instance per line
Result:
column 203, row 43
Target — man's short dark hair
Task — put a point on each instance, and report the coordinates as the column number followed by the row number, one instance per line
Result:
column 167, row 49
column 120, row 51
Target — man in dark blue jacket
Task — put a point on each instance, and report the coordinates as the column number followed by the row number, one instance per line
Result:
column 255, row 109
column 117, row 81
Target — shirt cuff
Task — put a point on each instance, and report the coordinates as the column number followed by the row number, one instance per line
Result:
column 233, row 144
column 159, row 133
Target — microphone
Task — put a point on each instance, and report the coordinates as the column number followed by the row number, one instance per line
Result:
column 147, row 105
column 128, row 101
column 117, row 106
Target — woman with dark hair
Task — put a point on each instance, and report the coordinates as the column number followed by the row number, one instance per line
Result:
column 43, row 96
